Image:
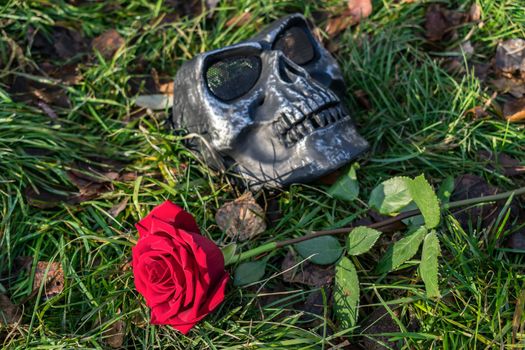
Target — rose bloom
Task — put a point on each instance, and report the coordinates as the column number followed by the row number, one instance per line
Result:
column 179, row 272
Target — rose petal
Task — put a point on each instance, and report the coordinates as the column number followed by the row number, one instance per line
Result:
column 214, row 298
column 169, row 213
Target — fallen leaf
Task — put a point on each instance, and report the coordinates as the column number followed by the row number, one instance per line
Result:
column 31, row 91
column 380, row 322
column 306, row 272
column 510, row 57
column 108, row 43
column 475, row 12
column 509, row 166
column 477, row 112
column 441, row 22
column 514, row 86
column 190, row 8
column 356, row 11
column 44, row 199
column 241, row 219
column 68, row 74
column 363, row 99
column 240, row 20
column 514, row 110
column 54, row 283
column 119, row 207
column 95, row 178
column 9, row 312
column 60, row 42
column 166, row 88
column 359, row 9
column 114, row 335
column 517, row 319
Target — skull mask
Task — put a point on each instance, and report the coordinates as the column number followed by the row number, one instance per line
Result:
column 270, row 107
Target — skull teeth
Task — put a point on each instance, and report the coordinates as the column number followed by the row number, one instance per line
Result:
column 309, row 124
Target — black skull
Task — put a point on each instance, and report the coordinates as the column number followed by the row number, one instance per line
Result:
column 269, row 107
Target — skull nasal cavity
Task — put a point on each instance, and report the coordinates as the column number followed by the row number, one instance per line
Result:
column 288, row 71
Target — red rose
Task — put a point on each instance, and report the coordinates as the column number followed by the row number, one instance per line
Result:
column 179, row 272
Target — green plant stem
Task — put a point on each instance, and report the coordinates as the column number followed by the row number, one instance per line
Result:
column 378, row 225
column 268, row 247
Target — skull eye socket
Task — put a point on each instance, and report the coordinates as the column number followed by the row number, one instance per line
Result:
column 296, row 44
column 232, row 77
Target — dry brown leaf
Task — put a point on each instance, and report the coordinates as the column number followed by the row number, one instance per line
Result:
column 359, row 9
column 240, row 20
column 509, row 166
column 475, row 12
column 440, row 22
column 514, row 86
column 510, row 57
column 356, row 11
column 114, row 336
column 31, row 91
column 63, row 43
column 166, row 88
column 43, row 199
column 517, row 319
column 363, row 99
column 54, row 282
column 514, row 110
column 337, row 24
column 477, row 112
column 241, row 219
column 306, row 272
column 9, row 312
column 108, row 43
column 119, row 207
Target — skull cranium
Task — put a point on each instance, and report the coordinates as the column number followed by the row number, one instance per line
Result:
column 270, row 106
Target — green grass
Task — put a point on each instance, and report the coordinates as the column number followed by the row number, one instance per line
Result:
column 417, row 125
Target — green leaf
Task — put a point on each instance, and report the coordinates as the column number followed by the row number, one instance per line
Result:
column 391, row 195
column 323, row 250
column 249, row 272
column 426, row 200
column 229, row 252
column 445, row 190
column 346, row 293
column 346, row 188
column 401, row 251
column 361, row 239
column 429, row 264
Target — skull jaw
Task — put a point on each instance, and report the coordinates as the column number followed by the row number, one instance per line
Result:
column 318, row 154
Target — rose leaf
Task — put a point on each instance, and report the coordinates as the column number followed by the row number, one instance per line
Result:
column 391, row 196
column 361, row 239
column 322, row 250
column 346, row 293
column 249, row 272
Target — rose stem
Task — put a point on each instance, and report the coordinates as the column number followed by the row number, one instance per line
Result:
column 378, row 225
